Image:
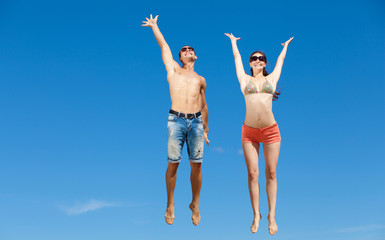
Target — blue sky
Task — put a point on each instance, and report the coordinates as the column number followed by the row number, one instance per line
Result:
column 84, row 102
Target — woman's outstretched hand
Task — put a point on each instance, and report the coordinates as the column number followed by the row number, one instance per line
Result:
column 287, row 42
column 150, row 22
column 232, row 37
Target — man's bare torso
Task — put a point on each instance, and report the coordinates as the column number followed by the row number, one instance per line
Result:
column 185, row 90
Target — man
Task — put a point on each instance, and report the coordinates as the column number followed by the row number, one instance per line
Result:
column 187, row 120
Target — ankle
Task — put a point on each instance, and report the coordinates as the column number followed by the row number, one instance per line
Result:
column 257, row 213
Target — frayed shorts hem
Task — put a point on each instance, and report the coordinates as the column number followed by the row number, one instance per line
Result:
column 191, row 160
column 174, row 161
column 196, row 160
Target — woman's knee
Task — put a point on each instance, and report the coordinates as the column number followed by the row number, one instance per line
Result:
column 253, row 174
column 271, row 174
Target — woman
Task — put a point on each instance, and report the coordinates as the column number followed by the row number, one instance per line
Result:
column 260, row 126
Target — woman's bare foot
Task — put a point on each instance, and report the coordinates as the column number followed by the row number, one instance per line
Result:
column 196, row 217
column 169, row 216
column 254, row 226
column 273, row 228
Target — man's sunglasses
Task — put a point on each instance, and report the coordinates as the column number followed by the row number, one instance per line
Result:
column 187, row 48
column 260, row 58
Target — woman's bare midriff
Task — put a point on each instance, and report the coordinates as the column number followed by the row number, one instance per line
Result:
column 259, row 112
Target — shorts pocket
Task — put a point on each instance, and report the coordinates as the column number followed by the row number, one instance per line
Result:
column 199, row 120
column 172, row 118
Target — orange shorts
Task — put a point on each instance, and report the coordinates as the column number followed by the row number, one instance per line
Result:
column 265, row 135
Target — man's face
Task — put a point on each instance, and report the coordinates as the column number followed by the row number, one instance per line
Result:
column 187, row 51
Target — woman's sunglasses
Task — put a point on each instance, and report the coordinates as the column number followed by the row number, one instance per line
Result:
column 260, row 58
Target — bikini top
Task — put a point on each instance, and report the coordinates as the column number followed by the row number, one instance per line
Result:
column 252, row 88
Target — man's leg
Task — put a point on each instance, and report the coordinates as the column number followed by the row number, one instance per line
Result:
column 170, row 184
column 195, row 141
column 176, row 134
column 196, row 183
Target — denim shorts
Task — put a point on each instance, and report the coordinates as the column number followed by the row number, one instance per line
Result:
column 181, row 130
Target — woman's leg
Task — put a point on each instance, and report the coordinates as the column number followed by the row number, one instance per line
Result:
column 271, row 152
column 251, row 152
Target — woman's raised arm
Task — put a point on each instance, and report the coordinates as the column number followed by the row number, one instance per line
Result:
column 241, row 75
column 274, row 76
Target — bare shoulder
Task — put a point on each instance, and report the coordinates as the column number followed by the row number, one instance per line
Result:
column 203, row 83
column 271, row 78
column 176, row 66
column 172, row 75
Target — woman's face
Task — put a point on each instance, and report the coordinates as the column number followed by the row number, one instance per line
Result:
column 258, row 61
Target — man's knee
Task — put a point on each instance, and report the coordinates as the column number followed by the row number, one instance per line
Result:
column 172, row 167
column 196, row 167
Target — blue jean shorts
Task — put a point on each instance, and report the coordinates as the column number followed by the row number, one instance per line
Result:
column 181, row 130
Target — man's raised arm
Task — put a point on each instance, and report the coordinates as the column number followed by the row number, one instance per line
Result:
column 166, row 52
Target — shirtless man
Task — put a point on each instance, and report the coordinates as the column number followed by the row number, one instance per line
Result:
column 187, row 120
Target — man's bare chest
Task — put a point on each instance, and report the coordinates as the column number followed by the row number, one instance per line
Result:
column 189, row 81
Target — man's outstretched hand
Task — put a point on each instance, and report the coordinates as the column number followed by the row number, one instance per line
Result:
column 150, row 22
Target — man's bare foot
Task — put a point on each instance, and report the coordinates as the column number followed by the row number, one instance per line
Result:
column 196, row 217
column 169, row 216
column 254, row 226
column 273, row 228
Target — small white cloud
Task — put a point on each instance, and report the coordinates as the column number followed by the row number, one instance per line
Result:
column 80, row 208
column 361, row 228
column 240, row 152
column 218, row 149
